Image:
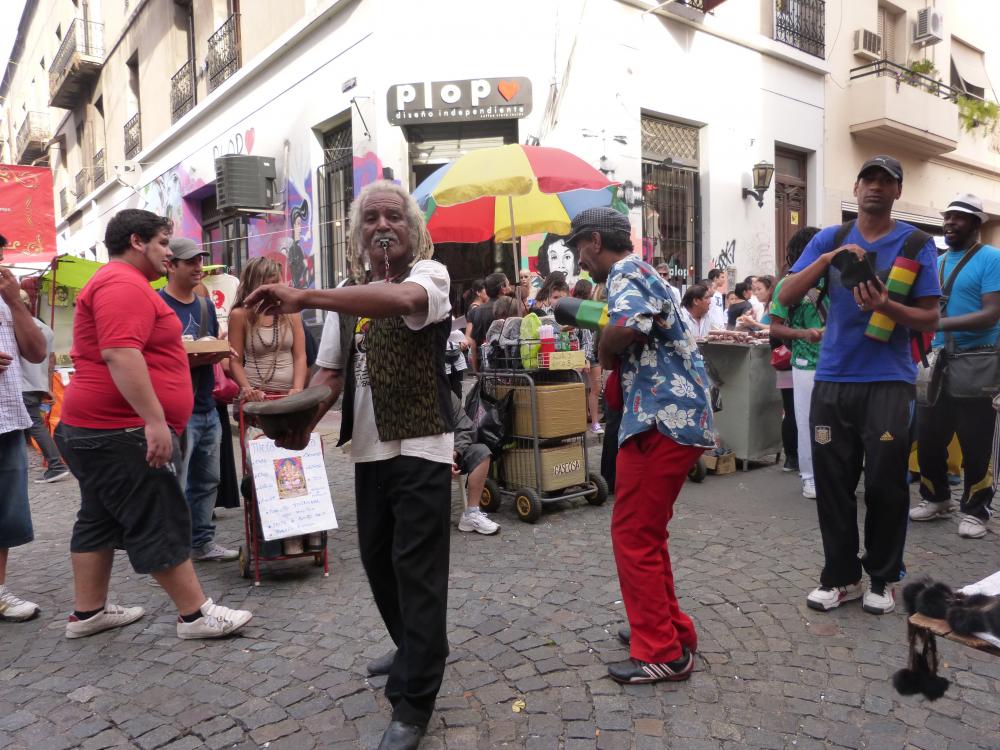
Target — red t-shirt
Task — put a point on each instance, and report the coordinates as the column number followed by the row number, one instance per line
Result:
column 117, row 309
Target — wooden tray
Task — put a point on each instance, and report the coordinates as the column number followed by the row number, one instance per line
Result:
column 943, row 629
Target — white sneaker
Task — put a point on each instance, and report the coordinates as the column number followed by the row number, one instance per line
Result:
column 928, row 510
column 14, row 608
column 880, row 598
column 215, row 622
column 826, row 598
column 970, row 527
column 476, row 520
column 213, row 552
column 112, row 616
column 596, row 428
column 809, row 488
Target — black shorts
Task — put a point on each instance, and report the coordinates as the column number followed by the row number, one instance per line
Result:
column 471, row 457
column 124, row 502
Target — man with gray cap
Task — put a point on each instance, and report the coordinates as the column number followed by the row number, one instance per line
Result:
column 970, row 319
column 881, row 281
column 203, row 436
column 666, row 427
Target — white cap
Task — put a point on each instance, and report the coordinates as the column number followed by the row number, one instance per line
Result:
column 967, row 203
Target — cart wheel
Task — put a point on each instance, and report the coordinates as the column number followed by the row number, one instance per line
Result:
column 244, row 562
column 490, row 501
column 528, row 505
column 600, row 494
column 698, row 472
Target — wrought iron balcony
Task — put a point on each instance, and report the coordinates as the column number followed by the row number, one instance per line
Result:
column 224, row 52
column 801, row 24
column 182, row 91
column 32, row 137
column 891, row 104
column 77, row 64
column 98, row 169
column 133, row 137
column 82, row 184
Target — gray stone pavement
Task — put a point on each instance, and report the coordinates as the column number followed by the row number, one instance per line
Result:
column 533, row 614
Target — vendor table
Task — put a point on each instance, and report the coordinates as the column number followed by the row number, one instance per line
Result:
column 749, row 423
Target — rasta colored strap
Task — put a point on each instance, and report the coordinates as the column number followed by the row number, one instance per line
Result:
column 902, row 276
column 899, row 285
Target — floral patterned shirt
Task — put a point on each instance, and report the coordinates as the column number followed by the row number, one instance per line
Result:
column 663, row 380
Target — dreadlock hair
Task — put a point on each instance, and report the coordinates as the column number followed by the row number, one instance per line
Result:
column 420, row 238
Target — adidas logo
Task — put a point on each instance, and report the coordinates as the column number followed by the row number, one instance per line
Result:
column 887, row 437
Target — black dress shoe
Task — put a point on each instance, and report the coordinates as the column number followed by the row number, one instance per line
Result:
column 635, row 672
column 625, row 634
column 401, row 736
column 382, row 664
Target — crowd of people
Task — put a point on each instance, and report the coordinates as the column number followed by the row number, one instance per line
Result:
column 141, row 431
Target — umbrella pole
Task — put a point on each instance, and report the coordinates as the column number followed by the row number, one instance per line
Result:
column 54, row 265
column 517, row 251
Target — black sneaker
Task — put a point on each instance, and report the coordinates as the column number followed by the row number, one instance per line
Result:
column 791, row 463
column 53, row 474
column 635, row 672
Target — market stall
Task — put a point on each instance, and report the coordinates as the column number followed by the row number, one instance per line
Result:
column 749, row 423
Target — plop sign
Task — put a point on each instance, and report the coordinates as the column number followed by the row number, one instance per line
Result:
column 472, row 99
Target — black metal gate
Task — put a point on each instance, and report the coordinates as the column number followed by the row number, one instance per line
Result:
column 336, row 192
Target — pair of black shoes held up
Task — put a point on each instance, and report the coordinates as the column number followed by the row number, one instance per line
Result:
column 965, row 615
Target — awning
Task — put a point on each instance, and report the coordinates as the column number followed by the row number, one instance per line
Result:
column 969, row 64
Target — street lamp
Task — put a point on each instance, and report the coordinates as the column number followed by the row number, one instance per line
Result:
column 763, row 171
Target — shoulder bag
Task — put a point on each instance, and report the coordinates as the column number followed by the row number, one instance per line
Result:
column 969, row 373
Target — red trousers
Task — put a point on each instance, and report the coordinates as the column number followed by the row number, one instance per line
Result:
column 651, row 471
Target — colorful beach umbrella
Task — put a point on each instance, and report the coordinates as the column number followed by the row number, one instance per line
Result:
column 510, row 190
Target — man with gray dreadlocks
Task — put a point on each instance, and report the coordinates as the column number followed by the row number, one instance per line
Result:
column 384, row 348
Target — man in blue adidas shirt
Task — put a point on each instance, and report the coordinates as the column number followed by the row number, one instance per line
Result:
column 970, row 317
column 863, row 398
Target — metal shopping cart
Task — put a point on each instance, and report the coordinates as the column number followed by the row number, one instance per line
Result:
column 256, row 549
column 546, row 456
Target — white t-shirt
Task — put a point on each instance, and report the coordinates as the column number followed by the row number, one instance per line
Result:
column 758, row 308
column 365, row 445
column 35, row 377
column 717, row 311
column 454, row 344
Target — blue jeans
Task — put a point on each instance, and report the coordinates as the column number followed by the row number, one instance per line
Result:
column 201, row 473
column 15, row 513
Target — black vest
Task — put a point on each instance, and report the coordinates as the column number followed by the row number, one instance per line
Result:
column 410, row 391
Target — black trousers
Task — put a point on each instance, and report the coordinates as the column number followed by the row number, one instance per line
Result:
column 404, row 518
column 609, row 449
column 789, row 430
column 973, row 419
column 859, row 426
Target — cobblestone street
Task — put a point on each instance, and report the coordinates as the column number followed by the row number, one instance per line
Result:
column 533, row 617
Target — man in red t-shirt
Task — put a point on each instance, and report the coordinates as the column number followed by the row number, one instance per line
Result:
column 129, row 400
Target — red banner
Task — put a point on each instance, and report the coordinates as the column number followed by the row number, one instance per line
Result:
column 27, row 214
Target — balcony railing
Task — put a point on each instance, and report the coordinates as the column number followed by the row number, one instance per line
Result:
column 182, row 90
column 77, row 63
column 32, row 137
column 82, row 183
column 801, row 24
column 224, row 52
column 98, row 169
column 133, row 137
column 901, row 74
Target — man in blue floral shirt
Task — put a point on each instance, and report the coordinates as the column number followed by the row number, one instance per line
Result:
column 666, row 425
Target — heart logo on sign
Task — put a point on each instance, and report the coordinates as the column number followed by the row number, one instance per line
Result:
column 248, row 140
column 508, row 89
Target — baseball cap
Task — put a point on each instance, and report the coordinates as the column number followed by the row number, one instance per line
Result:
column 967, row 203
column 597, row 220
column 887, row 163
column 184, row 249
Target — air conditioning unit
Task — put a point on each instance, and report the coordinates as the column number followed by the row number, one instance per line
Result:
column 929, row 27
column 244, row 181
column 867, row 44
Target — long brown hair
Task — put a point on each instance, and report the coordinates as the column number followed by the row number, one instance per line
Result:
column 256, row 273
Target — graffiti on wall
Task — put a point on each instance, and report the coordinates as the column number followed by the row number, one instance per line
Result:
column 726, row 257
